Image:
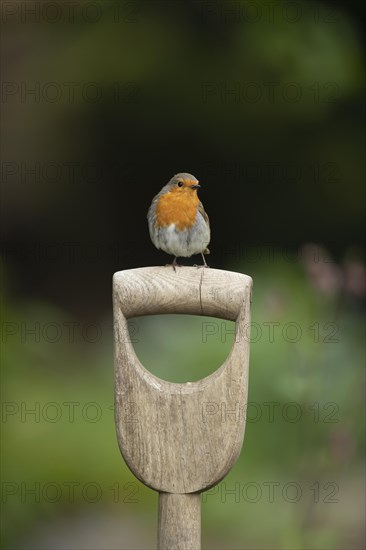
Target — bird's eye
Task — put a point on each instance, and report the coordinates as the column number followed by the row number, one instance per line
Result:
column 180, row 183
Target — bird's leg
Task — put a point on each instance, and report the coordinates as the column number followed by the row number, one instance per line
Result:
column 204, row 260
column 174, row 264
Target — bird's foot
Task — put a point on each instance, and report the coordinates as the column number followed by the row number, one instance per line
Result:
column 203, row 265
column 174, row 264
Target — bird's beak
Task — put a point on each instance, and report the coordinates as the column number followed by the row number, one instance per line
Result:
column 195, row 186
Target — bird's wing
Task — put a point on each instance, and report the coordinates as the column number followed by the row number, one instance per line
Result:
column 156, row 198
column 151, row 214
column 203, row 213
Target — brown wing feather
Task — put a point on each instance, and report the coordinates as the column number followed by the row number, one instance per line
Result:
column 204, row 215
column 203, row 212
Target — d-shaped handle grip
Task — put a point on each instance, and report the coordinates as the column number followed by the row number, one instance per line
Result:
column 189, row 290
column 180, row 438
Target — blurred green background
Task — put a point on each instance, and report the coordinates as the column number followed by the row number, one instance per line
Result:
column 102, row 102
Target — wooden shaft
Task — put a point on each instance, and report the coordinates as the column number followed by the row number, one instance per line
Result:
column 179, row 526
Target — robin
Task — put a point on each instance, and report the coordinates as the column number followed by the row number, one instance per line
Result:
column 178, row 223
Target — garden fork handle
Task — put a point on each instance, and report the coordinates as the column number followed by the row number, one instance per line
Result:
column 166, row 432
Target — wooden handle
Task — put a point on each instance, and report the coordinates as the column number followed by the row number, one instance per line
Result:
column 180, row 438
column 190, row 290
column 179, row 523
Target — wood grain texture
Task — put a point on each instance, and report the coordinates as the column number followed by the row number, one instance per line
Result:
column 179, row 522
column 180, row 438
column 190, row 290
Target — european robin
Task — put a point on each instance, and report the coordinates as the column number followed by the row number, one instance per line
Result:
column 178, row 223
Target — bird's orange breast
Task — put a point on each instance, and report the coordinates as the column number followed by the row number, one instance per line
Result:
column 179, row 208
